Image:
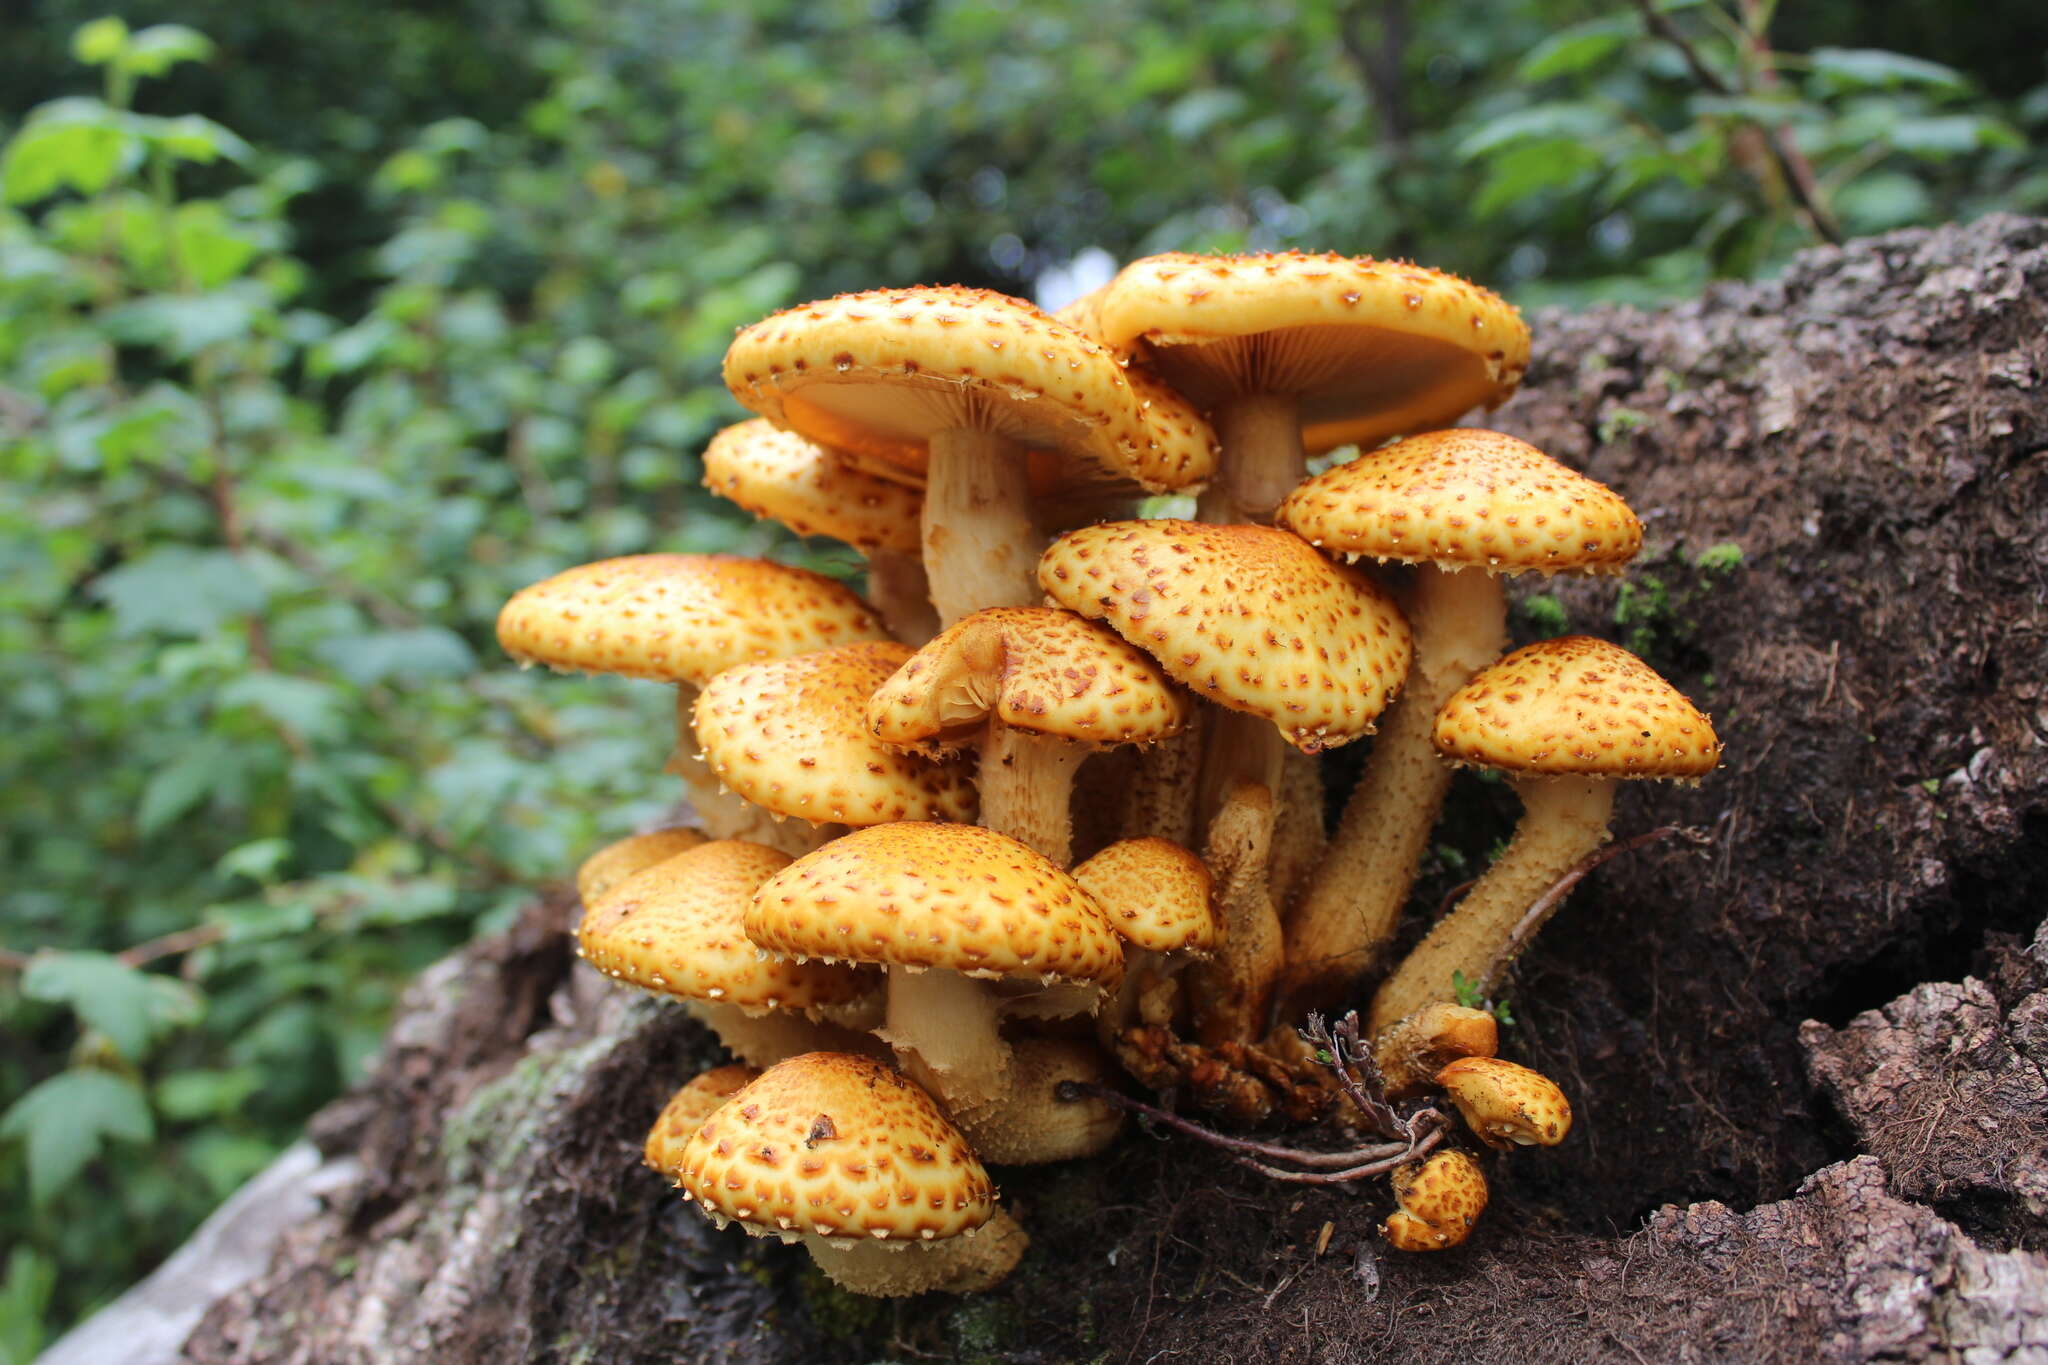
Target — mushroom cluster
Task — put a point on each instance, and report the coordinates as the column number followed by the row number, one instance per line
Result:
column 1050, row 807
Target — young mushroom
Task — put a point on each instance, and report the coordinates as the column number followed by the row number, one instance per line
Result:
column 1157, row 897
column 942, row 905
column 674, row 929
column 615, row 862
column 686, row 1111
column 1505, row 1104
column 1035, row 690
column 681, row 619
column 791, row 736
column 1295, row 649
column 966, row 386
column 815, row 491
column 1291, row 354
column 845, row 1155
column 1438, row 1200
column 1566, row 719
column 1463, row 507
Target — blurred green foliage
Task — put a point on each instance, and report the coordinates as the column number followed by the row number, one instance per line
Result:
column 325, row 328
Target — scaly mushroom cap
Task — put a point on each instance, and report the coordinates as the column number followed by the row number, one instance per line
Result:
column 839, row 1146
column 1503, row 1103
column 1039, row 669
column 1155, row 892
column 686, row 1111
column 675, row 929
column 810, row 489
column 1250, row 617
column 790, row 735
column 1440, row 1199
column 1465, row 499
column 878, row 374
column 679, row 618
column 1369, row 349
column 1576, row 706
column 613, row 863
column 925, row 895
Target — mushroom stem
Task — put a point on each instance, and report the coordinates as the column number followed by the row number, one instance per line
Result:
column 1563, row 820
column 1263, row 459
column 1353, row 903
column 1025, row 783
column 1230, row 991
column 944, row 1026
column 1027, row 1126
column 899, row 590
column 1242, row 748
column 980, row 548
column 967, row 1264
column 1298, row 835
column 775, row 1035
column 1160, row 800
column 726, row 814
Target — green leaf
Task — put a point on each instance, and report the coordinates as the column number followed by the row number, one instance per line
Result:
column 1575, row 49
column 178, row 786
column 188, row 1096
column 1529, row 170
column 58, row 153
column 160, row 47
column 68, row 1119
column 24, row 1302
column 193, row 137
column 258, row 860
column 182, row 325
column 130, row 1007
column 100, row 41
column 1885, row 200
column 1555, row 121
column 1864, row 68
column 1952, row 135
column 306, row 707
column 179, row 590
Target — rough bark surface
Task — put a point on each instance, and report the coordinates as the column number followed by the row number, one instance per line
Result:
column 1871, row 431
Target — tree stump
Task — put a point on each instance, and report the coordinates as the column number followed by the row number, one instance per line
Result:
column 1835, row 1018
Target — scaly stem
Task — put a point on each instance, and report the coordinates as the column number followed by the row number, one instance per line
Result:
column 1353, row 903
column 1025, row 783
column 1563, row 820
column 980, row 548
column 1262, row 459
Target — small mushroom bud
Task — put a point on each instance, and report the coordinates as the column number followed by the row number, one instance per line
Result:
column 1439, row 1201
column 1411, row 1052
column 1504, row 1103
column 686, row 1111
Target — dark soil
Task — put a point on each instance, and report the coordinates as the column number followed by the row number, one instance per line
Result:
column 1845, row 477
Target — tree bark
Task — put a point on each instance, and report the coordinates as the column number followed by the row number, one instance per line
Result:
column 1788, row 1146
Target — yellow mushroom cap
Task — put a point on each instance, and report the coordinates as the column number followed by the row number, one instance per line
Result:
column 679, row 618
column 839, row 1146
column 1369, row 349
column 1504, row 1103
column 675, row 929
column 1466, row 499
column 686, row 1111
column 1039, row 669
column 1440, row 1199
column 791, row 735
column 1576, row 706
column 810, row 489
column 1249, row 617
column 878, row 374
column 927, row 895
column 1155, row 892
column 615, row 862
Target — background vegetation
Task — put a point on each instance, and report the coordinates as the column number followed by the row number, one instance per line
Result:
column 325, row 328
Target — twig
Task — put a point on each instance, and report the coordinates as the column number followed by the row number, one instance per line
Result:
column 1069, row 1091
column 1784, row 157
column 1539, row 910
column 170, row 945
